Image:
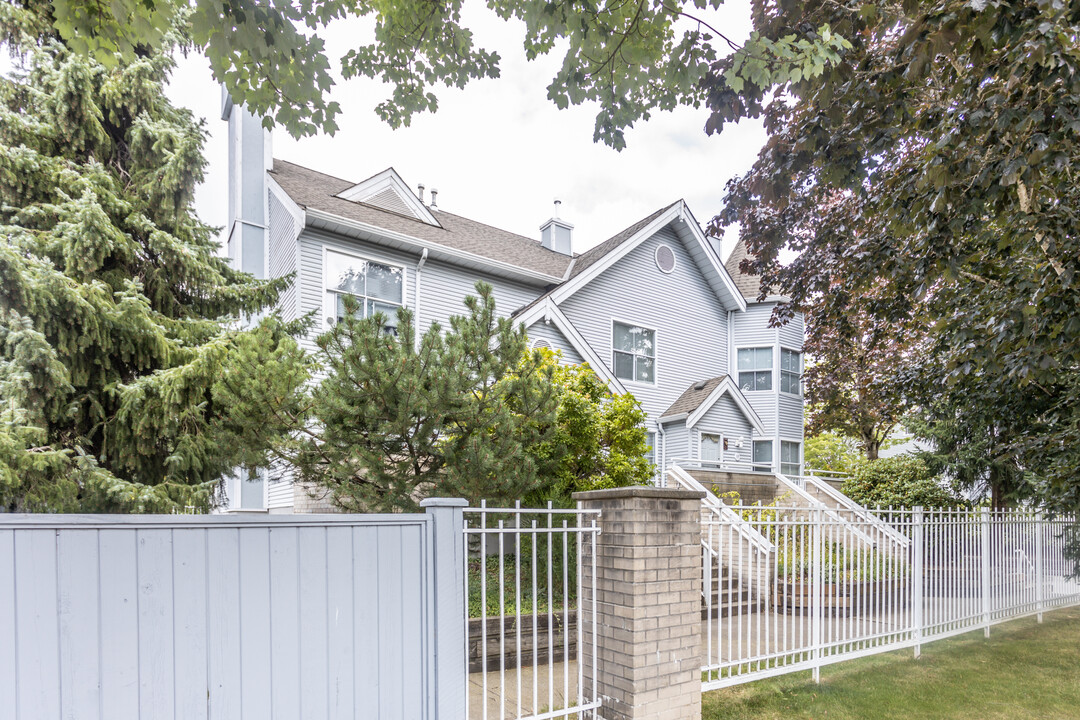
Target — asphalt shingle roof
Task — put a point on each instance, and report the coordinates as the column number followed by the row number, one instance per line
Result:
column 311, row 189
column 693, row 396
column 748, row 285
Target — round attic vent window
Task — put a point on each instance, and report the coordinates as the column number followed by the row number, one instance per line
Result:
column 541, row 344
column 665, row 259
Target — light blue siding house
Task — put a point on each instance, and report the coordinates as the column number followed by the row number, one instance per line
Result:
column 653, row 310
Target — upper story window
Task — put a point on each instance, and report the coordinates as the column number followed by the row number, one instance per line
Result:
column 633, row 352
column 790, row 371
column 378, row 288
column 755, row 368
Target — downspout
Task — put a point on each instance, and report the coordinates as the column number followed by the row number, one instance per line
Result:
column 731, row 347
column 416, row 303
column 661, row 451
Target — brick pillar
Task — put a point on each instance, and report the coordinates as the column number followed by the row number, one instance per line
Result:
column 648, row 568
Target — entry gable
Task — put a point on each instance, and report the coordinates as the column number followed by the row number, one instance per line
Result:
column 697, row 399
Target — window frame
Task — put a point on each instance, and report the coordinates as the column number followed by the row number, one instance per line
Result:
column 781, row 463
column 719, row 445
column 755, row 464
column 773, row 387
column 798, row 376
column 329, row 307
column 655, row 355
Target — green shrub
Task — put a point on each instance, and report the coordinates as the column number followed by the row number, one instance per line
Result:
column 901, row 481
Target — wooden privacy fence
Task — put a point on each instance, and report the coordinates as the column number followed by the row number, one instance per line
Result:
column 229, row 617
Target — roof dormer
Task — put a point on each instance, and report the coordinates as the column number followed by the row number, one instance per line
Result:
column 387, row 191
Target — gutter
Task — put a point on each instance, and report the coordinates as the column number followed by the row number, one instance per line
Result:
column 437, row 251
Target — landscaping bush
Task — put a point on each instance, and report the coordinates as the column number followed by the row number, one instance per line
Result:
column 901, row 481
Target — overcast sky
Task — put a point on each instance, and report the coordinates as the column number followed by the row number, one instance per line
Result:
column 498, row 151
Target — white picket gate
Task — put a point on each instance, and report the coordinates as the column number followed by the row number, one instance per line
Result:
column 836, row 584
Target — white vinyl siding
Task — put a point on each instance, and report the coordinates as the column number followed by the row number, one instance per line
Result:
column 543, row 335
column 633, row 352
column 790, row 371
column 725, row 418
column 282, row 232
column 691, row 323
column 791, row 417
column 755, row 369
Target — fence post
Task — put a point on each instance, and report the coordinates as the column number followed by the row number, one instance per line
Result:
column 648, row 603
column 985, row 553
column 818, row 581
column 918, row 550
column 449, row 658
column 1039, row 563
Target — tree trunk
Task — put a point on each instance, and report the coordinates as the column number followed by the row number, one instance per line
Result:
column 871, row 445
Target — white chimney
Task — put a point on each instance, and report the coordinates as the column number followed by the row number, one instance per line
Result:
column 557, row 234
column 250, row 158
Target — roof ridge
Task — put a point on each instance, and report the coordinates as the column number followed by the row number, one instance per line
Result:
column 320, row 172
column 489, row 225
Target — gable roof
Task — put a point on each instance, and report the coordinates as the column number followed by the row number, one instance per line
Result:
column 697, row 399
column 588, row 258
column 318, row 195
column 590, row 264
column 549, row 311
column 749, row 285
column 388, row 191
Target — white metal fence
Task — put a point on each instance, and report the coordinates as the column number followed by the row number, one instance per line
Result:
column 527, row 614
column 833, row 584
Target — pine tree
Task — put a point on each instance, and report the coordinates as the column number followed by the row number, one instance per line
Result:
column 392, row 423
column 118, row 318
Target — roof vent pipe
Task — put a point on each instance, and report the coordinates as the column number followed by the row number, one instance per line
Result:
column 420, row 194
column 558, row 203
column 434, row 202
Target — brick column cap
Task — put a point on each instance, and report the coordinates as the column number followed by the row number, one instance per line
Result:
column 640, row 491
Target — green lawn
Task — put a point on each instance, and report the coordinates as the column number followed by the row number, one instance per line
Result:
column 1025, row 670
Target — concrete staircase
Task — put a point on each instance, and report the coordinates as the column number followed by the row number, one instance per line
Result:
column 727, row 597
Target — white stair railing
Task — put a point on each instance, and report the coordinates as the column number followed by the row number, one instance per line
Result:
column 797, row 486
column 857, row 510
column 722, row 512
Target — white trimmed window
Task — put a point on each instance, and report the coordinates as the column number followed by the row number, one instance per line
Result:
column 790, row 458
column 252, row 489
column 755, row 369
column 790, row 371
column 710, row 447
column 633, row 353
column 762, row 455
column 378, row 288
